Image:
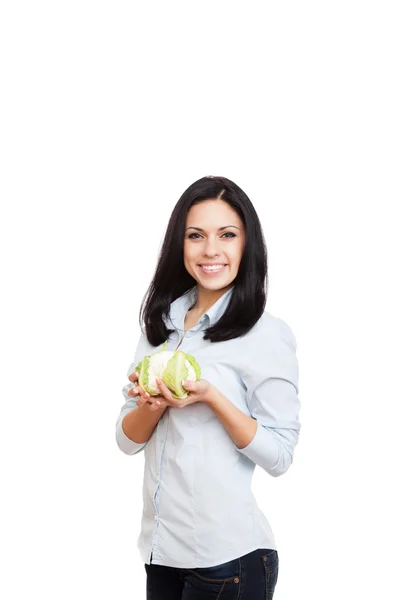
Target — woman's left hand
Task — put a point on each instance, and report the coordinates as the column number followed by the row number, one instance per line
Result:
column 199, row 391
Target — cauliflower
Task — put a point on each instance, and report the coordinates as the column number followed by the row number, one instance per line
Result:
column 172, row 367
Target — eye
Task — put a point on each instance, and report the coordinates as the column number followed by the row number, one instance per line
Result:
column 227, row 233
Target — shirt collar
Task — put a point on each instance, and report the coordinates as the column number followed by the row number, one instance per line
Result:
column 181, row 305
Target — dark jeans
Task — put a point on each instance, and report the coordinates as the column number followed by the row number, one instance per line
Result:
column 250, row 577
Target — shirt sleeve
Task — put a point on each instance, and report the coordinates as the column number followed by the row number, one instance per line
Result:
column 125, row 444
column 271, row 379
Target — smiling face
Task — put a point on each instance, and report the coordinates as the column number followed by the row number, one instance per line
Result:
column 214, row 235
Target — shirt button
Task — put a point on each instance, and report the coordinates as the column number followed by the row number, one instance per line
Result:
column 236, row 580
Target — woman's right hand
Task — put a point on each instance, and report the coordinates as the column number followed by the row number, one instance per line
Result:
column 141, row 396
column 136, row 392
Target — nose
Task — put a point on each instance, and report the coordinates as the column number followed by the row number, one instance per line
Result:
column 212, row 248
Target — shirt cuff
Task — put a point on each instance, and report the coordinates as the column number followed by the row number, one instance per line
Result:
column 125, row 444
column 263, row 450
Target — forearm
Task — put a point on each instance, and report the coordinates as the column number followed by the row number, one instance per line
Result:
column 139, row 423
column 239, row 426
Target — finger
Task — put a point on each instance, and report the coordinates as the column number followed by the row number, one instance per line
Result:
column 143, row 398
column 133, row 376
column 135, row 391
column 165, row 391
column 188, row 385
column 145, row 395
column 157, row 404
column 191, row 386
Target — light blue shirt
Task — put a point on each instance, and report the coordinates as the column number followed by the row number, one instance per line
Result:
column 198, row 506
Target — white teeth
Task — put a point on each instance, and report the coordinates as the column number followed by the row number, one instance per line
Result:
column 212, row 268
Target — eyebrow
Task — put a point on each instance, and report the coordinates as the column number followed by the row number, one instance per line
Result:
column 220, row 229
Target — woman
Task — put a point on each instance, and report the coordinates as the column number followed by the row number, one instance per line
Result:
column 203, row 535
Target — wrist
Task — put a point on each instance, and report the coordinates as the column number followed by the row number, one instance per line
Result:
column 212, row 397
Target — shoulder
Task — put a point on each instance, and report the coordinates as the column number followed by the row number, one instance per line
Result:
column 267, row 351
column 270, row 329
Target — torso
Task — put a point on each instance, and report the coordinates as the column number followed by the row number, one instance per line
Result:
column 190, row 321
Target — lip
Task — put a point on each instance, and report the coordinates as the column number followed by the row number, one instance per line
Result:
column 212, row 272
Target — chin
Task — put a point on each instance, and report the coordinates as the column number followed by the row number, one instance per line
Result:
column 215, row 285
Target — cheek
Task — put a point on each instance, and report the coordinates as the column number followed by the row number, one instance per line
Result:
column 236, row 253
column 188, row 254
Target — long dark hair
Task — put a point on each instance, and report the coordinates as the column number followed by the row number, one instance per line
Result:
column 171, row 280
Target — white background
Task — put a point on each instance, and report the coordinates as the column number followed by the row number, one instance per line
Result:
column 109, row 110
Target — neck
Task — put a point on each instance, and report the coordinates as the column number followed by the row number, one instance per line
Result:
column 206, row 298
